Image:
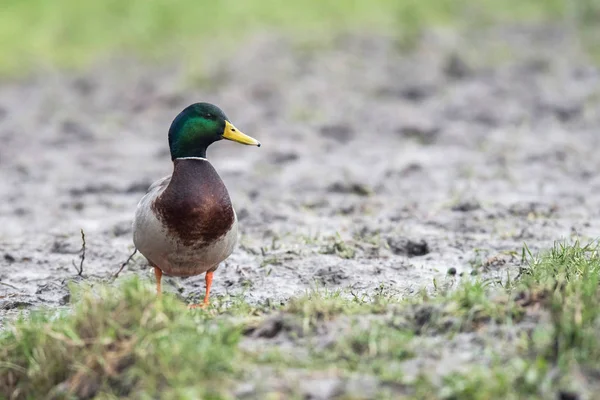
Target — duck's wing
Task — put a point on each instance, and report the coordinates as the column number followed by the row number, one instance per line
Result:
column 155, row 190
column 160, row 184
column 145, row 223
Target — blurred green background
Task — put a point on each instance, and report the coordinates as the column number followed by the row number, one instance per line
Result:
column 39, row 34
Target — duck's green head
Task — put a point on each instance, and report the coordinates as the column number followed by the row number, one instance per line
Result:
column 200, row 125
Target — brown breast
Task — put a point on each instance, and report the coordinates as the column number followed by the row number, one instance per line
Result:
column 195, row 207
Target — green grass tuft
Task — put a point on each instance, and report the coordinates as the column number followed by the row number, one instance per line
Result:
column 117, row 341
column 563, row 349
column 567, row 279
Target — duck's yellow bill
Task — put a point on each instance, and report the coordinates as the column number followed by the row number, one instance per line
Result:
column 232, row 133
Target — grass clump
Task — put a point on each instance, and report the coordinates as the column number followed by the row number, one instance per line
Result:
column 560, row 290
column 515, row 379
column 567, row 281
column 117, row 341
column 336, row 245
column 375, row 348
column 326, row 305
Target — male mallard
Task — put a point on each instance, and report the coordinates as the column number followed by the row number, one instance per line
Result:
column 185, row 224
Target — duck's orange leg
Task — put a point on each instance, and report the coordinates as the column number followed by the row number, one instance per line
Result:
column 208, row 279
column 158, row 275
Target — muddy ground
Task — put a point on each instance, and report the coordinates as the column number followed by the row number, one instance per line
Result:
column 379, row 167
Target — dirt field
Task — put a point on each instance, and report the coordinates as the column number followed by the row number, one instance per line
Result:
column 420, row 163
column 380, row 169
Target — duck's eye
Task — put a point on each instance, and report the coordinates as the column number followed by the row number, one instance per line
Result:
column 209, row 116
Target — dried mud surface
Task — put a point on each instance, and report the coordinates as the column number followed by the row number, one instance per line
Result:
column 379, row 168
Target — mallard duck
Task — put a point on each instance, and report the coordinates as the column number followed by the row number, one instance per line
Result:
column 185, row 225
